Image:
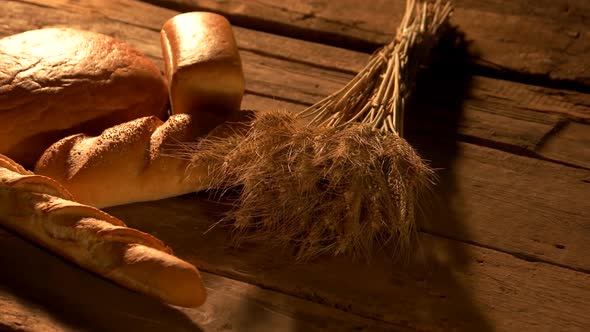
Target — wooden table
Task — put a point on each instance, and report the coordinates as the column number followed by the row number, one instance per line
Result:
column 504, row 115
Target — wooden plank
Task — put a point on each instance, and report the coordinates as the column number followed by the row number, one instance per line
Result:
column 497, row 113
column 571, row 142
column 40, row 292
column 525, row 98
column 530, row 208
column 449, row 286
column 437, row 122
column 550, row 39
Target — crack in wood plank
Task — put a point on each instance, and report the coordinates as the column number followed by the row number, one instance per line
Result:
column 569, row 141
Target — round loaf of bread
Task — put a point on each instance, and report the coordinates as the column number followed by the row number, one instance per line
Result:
column 60, row 81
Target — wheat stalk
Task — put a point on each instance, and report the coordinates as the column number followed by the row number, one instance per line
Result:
column 336, row 178
column 377, row 95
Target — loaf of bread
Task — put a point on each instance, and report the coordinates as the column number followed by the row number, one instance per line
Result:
column 127, row 163
column 132, row 162
column 57, row 82
column 40, row 209
column 202, row 65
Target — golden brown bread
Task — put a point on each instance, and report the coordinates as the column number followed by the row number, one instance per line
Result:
column 57, row 82
column 14, row 175
column 133, row 161
column 202, row 65
column 130, row 162
column 127, row 163
column 11, row 165
column 93, row 239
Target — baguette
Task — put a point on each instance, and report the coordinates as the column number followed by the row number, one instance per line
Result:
column 127, row 163
column 60, row 81
column 132, row 162
column 14, row 175
column 40, row 209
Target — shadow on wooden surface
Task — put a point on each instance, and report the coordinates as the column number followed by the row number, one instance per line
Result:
column 73, row 299
column 432, row 122
column 425, row 294
column 432, row 127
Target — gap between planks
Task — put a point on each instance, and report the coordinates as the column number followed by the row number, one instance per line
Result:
column 522, row 40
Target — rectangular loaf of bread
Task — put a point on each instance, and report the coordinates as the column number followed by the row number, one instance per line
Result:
column 202, row 64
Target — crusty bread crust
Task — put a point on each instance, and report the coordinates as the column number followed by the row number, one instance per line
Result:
column 132, row 162
column 94, row 239
column 127, row 163
column 135, row 161
column 202, row 65
column 57, row 82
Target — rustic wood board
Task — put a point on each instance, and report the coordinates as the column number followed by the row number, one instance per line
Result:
column 450, row 285
column 571, row 142
column 501, row 114
column 549, row 39
column 41, row 292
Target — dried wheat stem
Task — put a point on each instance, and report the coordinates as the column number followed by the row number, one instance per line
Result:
column 378, row 93
column 345, row 182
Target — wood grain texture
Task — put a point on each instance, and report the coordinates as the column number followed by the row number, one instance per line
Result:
column 530, row 208
column 505, row 115
column 570, row 142
column 546, row 38
column 510, row 116
column 447, row 286
column 40, row 292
